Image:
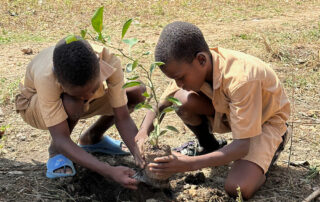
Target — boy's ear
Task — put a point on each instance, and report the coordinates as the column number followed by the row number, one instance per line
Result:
column 201, row 58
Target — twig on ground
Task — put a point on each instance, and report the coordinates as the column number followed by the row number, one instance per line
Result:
column 312, row 196
column 292, row 115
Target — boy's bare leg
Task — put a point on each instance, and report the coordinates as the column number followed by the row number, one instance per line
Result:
column 195, row 107
column 247, row 175
column 73, row 108
column 94, row 134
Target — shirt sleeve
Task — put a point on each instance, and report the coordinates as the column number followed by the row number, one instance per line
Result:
column 50, row 103
column 246, row 110
column 116, row 93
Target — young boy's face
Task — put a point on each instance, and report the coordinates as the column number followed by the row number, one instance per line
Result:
column 188, row 76
column 83, row 92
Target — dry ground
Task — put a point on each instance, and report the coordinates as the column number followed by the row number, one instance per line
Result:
column 284, row 33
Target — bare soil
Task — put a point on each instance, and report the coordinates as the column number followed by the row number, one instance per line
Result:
column 285, row 34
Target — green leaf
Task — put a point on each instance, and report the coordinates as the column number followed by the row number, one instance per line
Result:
column 163, row 132
column 133, row 78
column 159, row 63
column 168, row 109
column 100, row 38
column 146, row 53
column 154, row 65
column 143, row 105
column 135, row 64
column 126, row 27
column 129, row 67
column 172, row 129
column 83, row 33
column 131, row 42
column 71, row 38
column 131, row 84
column 97, row 20
column 174, row 101
column 145, row 94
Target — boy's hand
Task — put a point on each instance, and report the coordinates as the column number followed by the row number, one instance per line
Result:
column 138, row 157
column 171, row 164
column 140, row 138
column 123, row 175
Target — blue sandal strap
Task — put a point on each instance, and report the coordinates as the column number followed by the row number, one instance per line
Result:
column 56, row 162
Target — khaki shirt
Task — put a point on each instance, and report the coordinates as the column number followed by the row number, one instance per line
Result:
column 40, row 80
column 245, row 93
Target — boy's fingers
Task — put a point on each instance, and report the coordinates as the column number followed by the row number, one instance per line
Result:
column 130, row 172
column 132, row 181
column 157, row 165
column 164, row 159
column 134, row 187
column 159, row 170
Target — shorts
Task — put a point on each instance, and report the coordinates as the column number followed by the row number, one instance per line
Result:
column 32, row 115
column 262, row 147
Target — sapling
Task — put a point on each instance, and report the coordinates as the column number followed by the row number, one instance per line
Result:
column 147, row 73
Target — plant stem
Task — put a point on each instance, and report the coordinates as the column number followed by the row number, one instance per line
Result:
column 148, row 77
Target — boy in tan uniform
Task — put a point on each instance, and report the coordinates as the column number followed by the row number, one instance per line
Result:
column 228, row 91
column 64, row 84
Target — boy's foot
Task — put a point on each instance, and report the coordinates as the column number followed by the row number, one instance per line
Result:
column 60, row 166
column 285, row 139
column 107, row 145
column 192, row 148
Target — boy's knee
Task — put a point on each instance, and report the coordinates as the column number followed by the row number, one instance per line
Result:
column 72, row 106
column 231, row 186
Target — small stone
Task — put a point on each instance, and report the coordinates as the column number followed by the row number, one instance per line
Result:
column 15, row 172
column 194, row 187
column 192, row 192
column 21, row 137
column 27, row 51
column 151, row 200
column 187, row 186
column 302, row 61
column 4, row 151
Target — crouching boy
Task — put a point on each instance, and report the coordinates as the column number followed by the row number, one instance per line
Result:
column 221, row 91
column 64, row 83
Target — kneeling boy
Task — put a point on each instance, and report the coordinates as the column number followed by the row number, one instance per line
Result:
column 221, row 91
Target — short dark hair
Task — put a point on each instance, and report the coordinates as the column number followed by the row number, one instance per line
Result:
column 75, row 63
column 180, row 41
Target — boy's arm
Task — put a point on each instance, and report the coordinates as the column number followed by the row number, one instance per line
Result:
column 62, row 143
column 181, row 163
column 127, row 130
column 147, row 124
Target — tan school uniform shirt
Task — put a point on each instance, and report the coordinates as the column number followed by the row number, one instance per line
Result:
column 245, row 93
column 41, row 81
column 249, row 101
